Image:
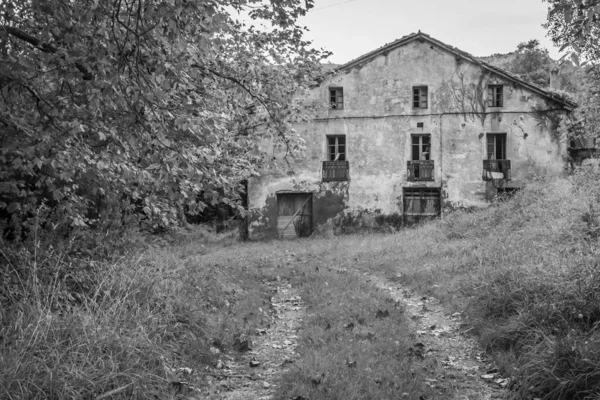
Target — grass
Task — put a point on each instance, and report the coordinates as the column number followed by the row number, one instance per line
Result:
column 525, row 273
column 143, row 316
column 354, row 343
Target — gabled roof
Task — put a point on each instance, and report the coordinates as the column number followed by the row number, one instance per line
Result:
column 458, row 53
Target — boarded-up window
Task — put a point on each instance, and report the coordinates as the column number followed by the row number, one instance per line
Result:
column 421, row 204
column 294, row 215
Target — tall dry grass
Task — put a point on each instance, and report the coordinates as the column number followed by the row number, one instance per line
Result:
column 525, row 271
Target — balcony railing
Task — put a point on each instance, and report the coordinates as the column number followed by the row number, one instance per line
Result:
column 496, row 169
column 336, row 171
column 420, row 170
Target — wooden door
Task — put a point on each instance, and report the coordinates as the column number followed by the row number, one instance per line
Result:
column 421, row 204
column 294, row 215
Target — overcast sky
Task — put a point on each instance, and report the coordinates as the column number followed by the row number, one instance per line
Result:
column 351, row 28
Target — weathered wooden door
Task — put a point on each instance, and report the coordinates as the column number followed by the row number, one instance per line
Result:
column 421, row 204
column 294, row 215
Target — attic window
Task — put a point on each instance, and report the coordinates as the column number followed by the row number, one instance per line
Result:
column 336, row 98
column 495, row 98
column 419, row 96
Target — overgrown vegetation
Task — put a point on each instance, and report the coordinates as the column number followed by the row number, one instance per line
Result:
column 133, row 323
column 147, row 106
column 527, row 272
column 91, row 321
column 142, row 317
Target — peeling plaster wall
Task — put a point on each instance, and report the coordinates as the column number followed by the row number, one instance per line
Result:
column 378, row 119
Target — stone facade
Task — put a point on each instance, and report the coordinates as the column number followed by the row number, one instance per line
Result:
column 414, row 122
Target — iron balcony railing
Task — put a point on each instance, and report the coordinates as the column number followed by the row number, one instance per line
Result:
column 420, row 170
column 336, row 171
column 496, row 169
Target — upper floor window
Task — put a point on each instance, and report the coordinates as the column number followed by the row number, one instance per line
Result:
column 421, row 145
column 496, row 146
column 336, row 148
column 495, row 98
column 336, row 98
column 419, row 96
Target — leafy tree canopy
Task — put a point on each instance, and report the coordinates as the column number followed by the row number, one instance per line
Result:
column 159, row 101
column 533, row 63
column 574, row 25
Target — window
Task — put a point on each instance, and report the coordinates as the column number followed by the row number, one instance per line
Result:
column 421, row 147
column 495, row 96
column 336, row 168
column 336, row 98
column 336, row 148
column 420, row 96
column 496, row 146
column 496, row 166
column 420, row 168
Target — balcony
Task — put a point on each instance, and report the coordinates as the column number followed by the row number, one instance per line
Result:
column 496, row 170
column 336, row 171
column 420, row 170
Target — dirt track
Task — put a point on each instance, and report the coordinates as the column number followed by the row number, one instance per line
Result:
column 456, row 366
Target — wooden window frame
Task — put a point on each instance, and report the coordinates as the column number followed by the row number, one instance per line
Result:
column 420, row 146
column 333, row 147
column 420, row 97
column 496, row 146
column 336, row 98
column 495, row 96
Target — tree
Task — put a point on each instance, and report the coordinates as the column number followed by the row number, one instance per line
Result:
column 532, row 63
column 574, row 25
column 157, row 102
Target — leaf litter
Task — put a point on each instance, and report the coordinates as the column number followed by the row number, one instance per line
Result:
column 457, row 366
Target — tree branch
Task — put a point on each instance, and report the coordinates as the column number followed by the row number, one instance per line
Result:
column 47, row 48
column 260, row 99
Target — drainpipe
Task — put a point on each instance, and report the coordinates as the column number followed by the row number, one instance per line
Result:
column 441, row 166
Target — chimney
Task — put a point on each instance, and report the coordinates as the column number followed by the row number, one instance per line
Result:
column 554, row 79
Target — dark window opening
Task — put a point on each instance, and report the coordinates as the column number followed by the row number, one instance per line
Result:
column 496, row 166
column 496, row 146
column 336, row 98
column 420, row 96
column 421, row 146
column 336, row 148
column 420, row 168
column 336, row 168
column 495, row 98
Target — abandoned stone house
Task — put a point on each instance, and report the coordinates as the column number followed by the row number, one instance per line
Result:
column 408, row 132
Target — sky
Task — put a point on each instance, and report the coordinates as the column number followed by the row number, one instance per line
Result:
column 351, row 28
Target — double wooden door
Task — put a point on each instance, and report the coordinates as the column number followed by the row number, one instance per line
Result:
column 294, row 215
